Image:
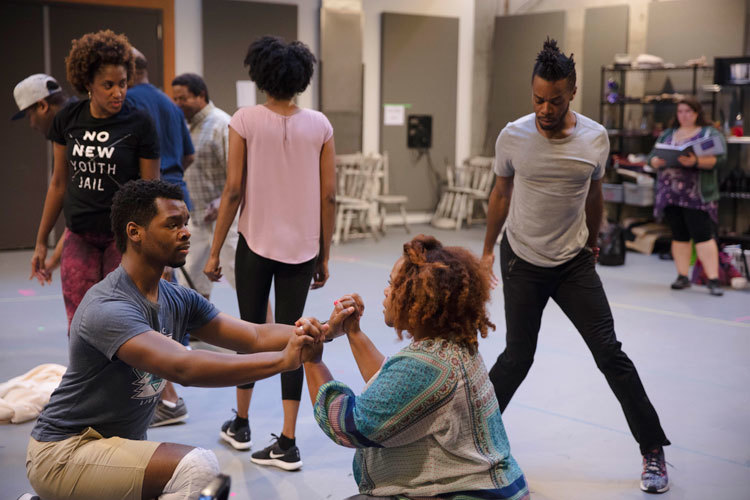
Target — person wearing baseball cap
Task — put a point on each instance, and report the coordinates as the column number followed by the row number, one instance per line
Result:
column 39, row 97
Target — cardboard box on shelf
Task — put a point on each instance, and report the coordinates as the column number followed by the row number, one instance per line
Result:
column 646, row 236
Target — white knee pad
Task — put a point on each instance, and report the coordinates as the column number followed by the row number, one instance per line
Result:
column 192, row 474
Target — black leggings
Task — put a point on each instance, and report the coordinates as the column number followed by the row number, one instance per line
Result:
column 689, row 223
column 253, row 275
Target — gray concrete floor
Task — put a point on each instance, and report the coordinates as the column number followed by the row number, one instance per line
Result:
column 565, row 427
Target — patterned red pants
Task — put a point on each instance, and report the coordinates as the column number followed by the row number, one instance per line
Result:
column 86, row 259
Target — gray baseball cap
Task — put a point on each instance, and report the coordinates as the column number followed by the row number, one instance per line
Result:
column 31, row 90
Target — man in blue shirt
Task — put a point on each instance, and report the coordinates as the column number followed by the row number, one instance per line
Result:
column 175, row 145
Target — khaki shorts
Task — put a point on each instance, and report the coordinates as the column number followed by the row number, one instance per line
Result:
column 88, row 467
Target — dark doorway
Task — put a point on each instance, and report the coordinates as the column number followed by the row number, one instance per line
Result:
column 22, row 36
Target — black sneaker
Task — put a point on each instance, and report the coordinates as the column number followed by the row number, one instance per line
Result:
column 28, row 496
column 714, row 288
column 681, row 282
column 238, row 435
column 654, row 476
column 274, row 455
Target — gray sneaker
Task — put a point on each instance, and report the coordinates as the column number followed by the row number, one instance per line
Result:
column 164, row 415
column 654, row 476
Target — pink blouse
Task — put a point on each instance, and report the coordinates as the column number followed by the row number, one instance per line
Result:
column 280, row 212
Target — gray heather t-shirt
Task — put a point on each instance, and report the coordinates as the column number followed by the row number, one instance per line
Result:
column 98, row 390
column 546, row 224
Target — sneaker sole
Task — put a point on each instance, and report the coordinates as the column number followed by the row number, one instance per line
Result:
column 647, row 490
column 170, row 421
column 277, row 463
column 237, row 445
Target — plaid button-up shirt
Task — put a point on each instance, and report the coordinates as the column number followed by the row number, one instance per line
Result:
column 209, row 130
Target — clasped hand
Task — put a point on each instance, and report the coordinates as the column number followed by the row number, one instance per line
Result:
column 344, row 319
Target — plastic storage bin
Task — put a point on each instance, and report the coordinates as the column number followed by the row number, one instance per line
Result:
column 614, row 193
column 639, row 195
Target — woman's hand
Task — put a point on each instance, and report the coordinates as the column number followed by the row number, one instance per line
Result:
column 688, row 160
column 345, row 315
column 212, row 269
column 658, row 162
column 312, row 353
column 320, row 276
column 292, row 354
column 39, row 268
column 312, row 327
column 351, row 323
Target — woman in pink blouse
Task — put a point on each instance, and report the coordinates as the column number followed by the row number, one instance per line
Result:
column 281, row 173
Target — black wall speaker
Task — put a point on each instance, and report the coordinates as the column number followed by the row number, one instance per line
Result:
column 419, row 132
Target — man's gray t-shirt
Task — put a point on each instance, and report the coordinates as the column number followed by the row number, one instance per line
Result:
column 98, row 390
column 546, row 224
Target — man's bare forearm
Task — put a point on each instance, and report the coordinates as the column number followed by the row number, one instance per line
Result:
column 594, row 214
column 497, row 213
column 213, row 369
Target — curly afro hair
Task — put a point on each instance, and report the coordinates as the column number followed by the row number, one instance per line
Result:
column 552, row 65
column 442, row 290
column 94, row 50
column 282, row 70
column 136, row 202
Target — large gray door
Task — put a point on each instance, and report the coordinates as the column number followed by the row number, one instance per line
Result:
column 341, row 72
column 25, row 170
column 24, row 150
column 518, row 40
column 419, row 60
column 141, row 26
column 229, row 27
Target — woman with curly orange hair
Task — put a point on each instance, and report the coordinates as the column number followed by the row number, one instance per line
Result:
column 428, row 423
column 100, row 143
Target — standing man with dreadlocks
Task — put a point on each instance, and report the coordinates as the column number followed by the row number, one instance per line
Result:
column 548, row 194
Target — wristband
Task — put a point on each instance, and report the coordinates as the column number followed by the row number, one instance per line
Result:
column 325, row 323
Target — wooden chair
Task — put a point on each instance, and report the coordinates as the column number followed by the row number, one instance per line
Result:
column 355, row 189
column 384, row 199
column 468, row 184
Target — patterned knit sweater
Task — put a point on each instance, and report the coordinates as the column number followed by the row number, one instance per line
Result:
column 426, row 424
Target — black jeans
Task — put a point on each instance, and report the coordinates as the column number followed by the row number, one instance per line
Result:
column 576, row 288
column 253, row 275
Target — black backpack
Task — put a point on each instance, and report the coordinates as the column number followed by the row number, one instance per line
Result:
column 612, row 245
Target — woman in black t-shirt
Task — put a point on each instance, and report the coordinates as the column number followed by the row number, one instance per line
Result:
column 100, row 143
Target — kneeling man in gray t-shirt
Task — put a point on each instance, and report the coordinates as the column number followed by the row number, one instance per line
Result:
column 89, row 441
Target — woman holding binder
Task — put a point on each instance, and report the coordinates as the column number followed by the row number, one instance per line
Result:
column 687, row 192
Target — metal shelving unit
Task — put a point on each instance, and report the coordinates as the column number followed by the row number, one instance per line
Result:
column 621, row 131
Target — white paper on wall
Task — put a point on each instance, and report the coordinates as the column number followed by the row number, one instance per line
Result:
column 394, row 114
column 245, row 93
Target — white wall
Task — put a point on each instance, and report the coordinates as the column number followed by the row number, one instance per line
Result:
column 461, row 9
column 189, row 38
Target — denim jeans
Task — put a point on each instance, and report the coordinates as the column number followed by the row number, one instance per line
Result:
column 576, row 288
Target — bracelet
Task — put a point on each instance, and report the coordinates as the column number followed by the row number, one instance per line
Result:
column 325, row 323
